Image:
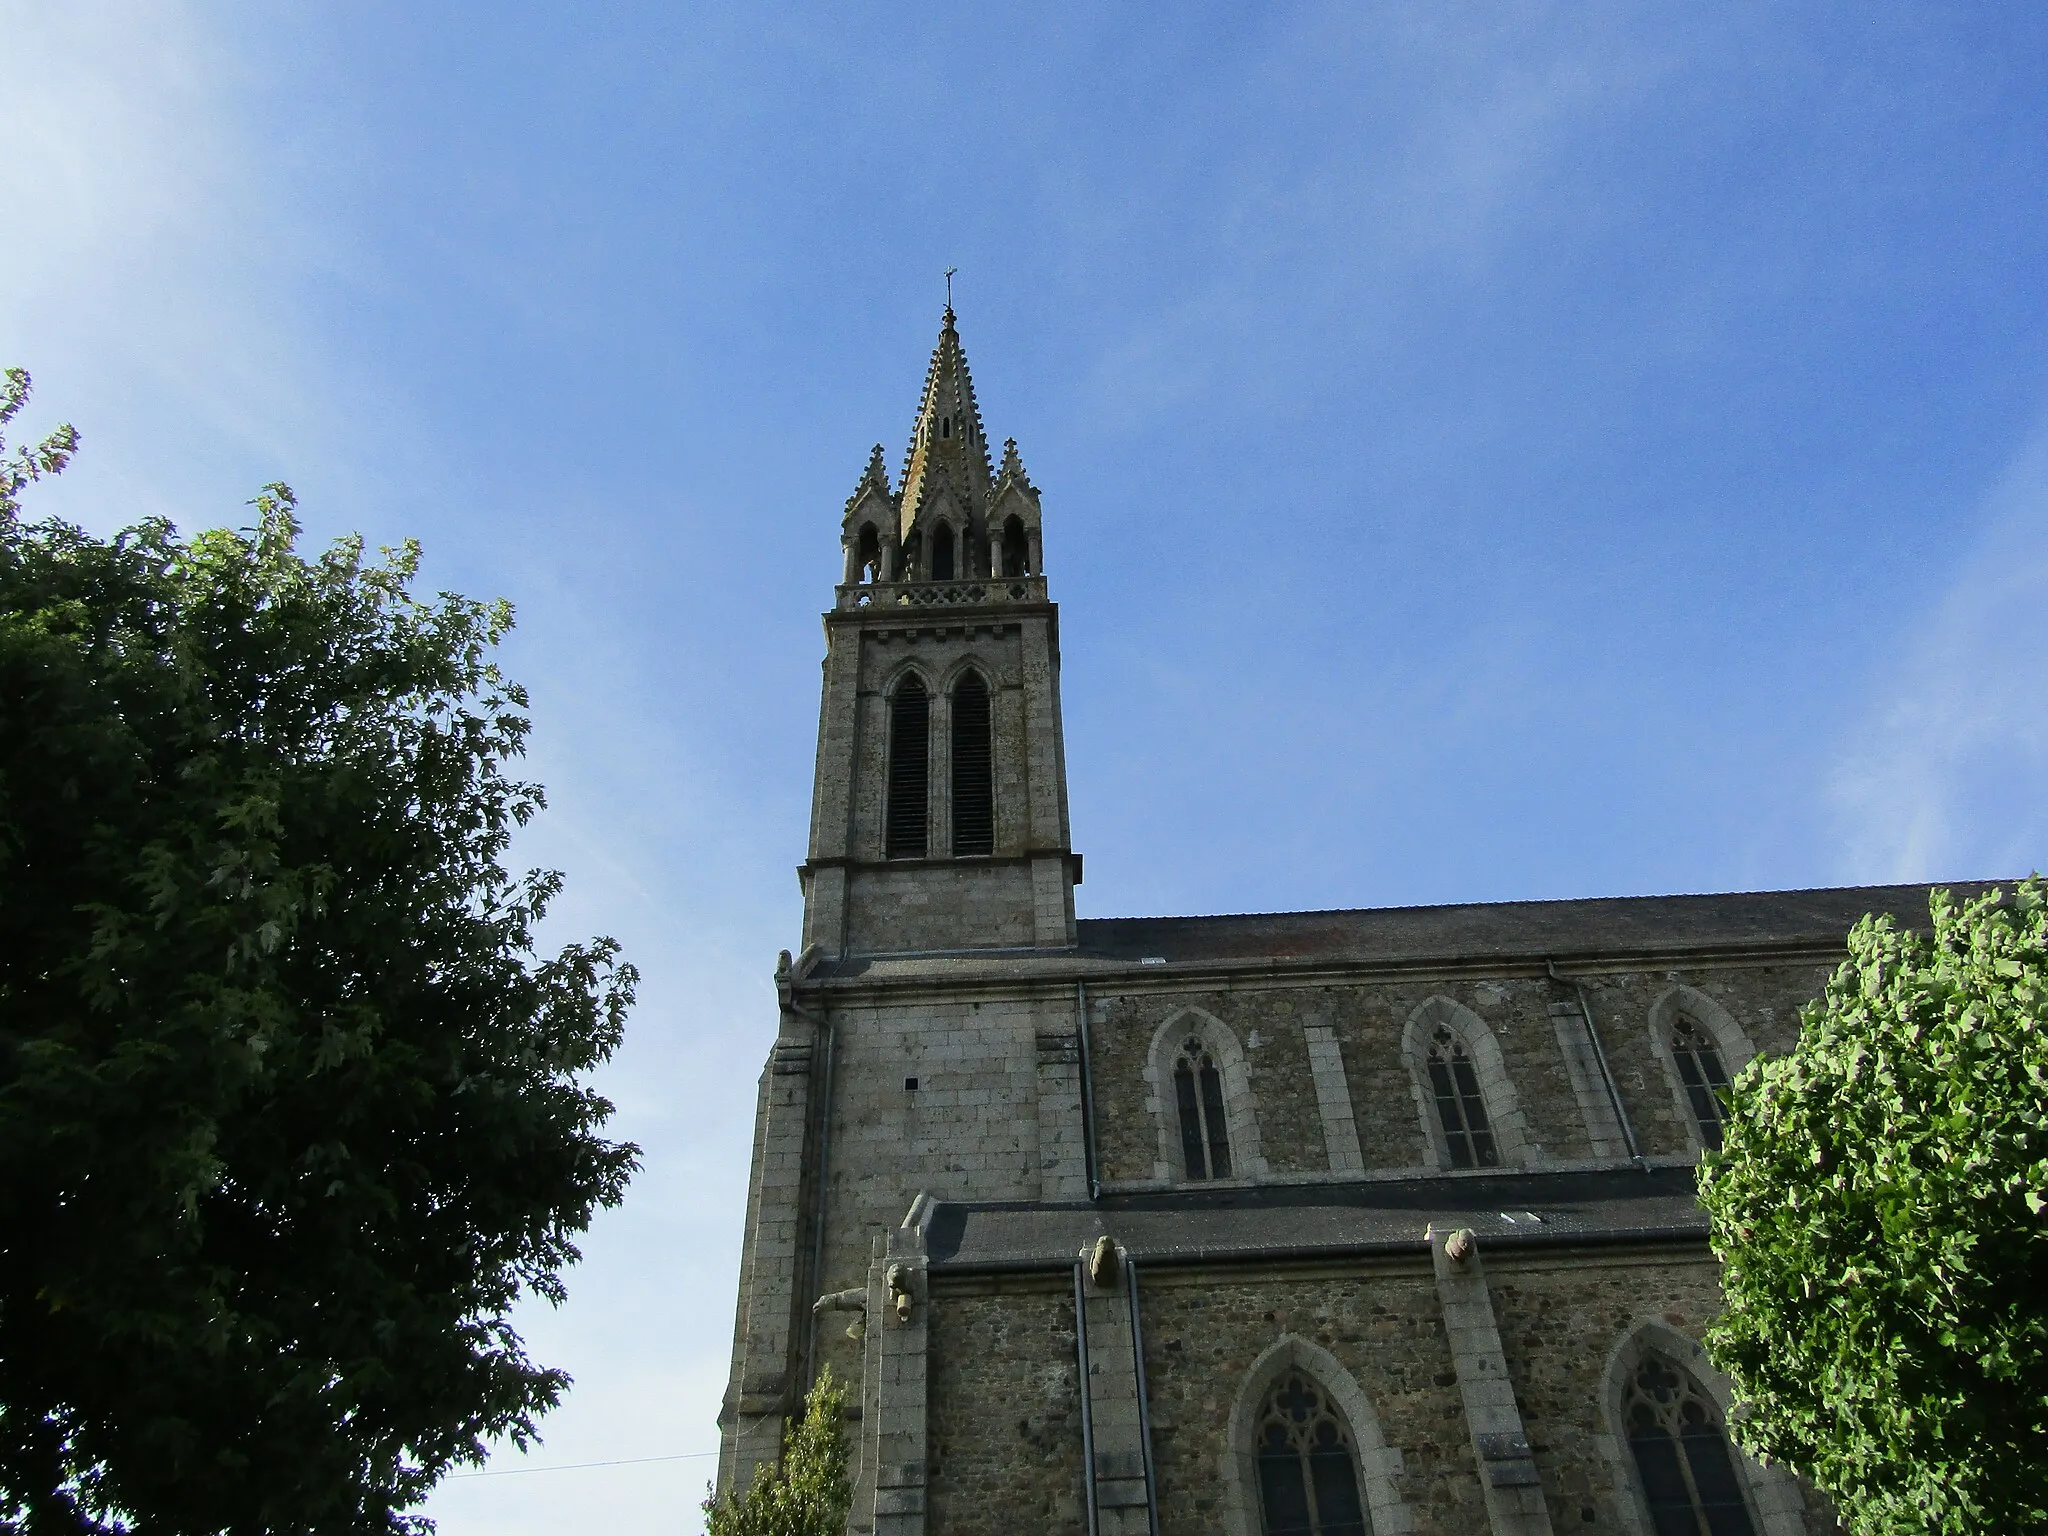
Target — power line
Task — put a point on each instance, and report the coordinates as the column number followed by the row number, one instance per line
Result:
column 578, row 1466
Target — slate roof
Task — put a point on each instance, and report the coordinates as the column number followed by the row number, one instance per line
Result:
column 1306, row 1221
column 1529, row 931
column 1510, row 927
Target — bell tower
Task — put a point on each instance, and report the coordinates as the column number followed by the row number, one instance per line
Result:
column 939, row 811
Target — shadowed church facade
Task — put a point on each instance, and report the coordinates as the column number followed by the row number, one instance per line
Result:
column 1301, row 1224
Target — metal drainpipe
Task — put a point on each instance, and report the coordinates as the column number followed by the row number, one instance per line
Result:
column 824, row 1165
column 1628, row 1133
column 1087, row 1093
column 1087, row 1420
column 1144, row 1398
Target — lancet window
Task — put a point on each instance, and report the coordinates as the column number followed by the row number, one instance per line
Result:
column 1308, row 1465
column 910, row 740
column 942, row 553
column 868, row 554
column 974, row 799
column 1705, row 1078
column 1204, row 1129
column 1460, row 1107
column 1680, row 1450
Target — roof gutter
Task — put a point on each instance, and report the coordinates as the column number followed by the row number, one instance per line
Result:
column 1188, row 1258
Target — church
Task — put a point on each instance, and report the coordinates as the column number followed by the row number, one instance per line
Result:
column 1292, row 1224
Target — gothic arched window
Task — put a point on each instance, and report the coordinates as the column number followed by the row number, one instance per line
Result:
column 1705, row 1078
column 1308, row 1474
column 974, row 791
column 1204, row 1130
column 1016, row 547
column 868, row 554
column 910, row 745
column 1681, row 1455
column 1460, row 1108
column 942, row 552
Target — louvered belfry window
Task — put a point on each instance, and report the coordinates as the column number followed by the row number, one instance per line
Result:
column 910, row 749
column 1308, row 1485
column 1681, row 1455
column 1204, row 1128
column 974, row 790
column 1705, row 1078
column 1468, row 1134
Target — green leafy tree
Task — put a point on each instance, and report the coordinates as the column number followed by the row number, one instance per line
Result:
column 1881, row 1206
column 807, row 1492
column 292, row 1109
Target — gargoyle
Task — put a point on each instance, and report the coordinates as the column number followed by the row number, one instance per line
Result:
column 1102, row 1262
column 898, row 1285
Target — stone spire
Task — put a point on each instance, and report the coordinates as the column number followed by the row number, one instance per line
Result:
column 948, row 459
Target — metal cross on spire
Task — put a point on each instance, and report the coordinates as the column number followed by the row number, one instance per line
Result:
column 949, row 288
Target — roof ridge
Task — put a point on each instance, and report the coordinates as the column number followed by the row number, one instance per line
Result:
column 1547, row 901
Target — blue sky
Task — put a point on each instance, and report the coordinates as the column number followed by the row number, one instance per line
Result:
column 1489, row 451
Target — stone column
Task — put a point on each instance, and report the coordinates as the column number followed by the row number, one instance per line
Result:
column 1596, row 1108
column 939, row 778
column 1122, row 1490
column 759, row 1394
column 1333, row 1100
column 1062, row 1154
column 1507, row 1467
column 889, row 1497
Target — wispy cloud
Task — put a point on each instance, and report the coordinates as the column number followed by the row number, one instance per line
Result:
column 150, row 270
column 1948, row 775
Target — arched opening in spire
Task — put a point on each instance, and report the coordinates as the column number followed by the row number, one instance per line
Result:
column 974, row 796
column 910, row 742
column 868, row 553
column 942, row 552
column 1016, row 547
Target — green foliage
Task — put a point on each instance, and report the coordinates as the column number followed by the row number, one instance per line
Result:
column 1881, row 1205
column 807, row 1493
column 27, row 465
column 291, row 1110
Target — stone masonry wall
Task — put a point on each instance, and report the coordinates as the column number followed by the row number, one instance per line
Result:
column 1560, row 1319
column 1204, row 1331
column 1368, row 1019
column 1005, row 1451
column 1764, row 999
column 968, row 1131
column 925, row 906
column 1005, row 1448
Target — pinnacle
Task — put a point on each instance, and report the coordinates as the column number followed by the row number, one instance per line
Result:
column 875, row 476
column 1012, row 471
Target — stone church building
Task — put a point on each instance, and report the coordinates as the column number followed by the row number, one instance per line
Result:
column 1296, row 1224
